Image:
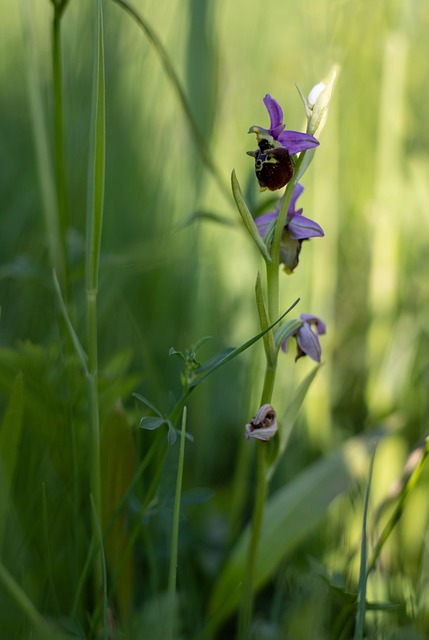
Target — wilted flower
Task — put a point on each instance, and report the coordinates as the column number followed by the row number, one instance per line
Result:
column 273, row 164
column 297, row 229
column 264, row 425
column 307, row 340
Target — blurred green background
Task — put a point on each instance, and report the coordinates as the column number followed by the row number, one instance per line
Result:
column 170, row 274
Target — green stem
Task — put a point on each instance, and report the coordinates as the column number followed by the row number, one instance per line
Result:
column 93, row 247
column 175, row 532
column 246, row 608
column 272, row 267
column 172, row 576
column 41, row 141
column 59, row 131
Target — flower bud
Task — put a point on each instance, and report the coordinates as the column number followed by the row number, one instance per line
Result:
column 264, row 425
column 315, row 93
column 318, row 102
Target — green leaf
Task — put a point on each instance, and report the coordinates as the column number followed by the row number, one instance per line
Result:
column 290, row 514
column 230, row 353
column 172, row 434
column 361, row 606
column 173, row 352
column 246, row 216
column 289, row 418
column 307, row 157
column 145, row 401
column 286, row 330
column 150, row 423
column 96, row 165
column 269, row 343
column 80, row 352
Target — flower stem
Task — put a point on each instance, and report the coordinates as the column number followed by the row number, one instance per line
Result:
column 246, row 608
column 172, row 576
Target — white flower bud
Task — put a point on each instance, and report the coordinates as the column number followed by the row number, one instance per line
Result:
column 315, row 93
column 318, row 102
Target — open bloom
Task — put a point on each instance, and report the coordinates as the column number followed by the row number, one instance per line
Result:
column 307, row 340
column 273, row 163
column 297, row 229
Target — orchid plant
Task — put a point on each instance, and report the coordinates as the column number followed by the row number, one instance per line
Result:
column 281, row 159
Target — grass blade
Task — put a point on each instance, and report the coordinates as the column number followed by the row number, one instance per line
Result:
column 94, row 225
column 41, row 142
column 361, row 607
column 290, row 514
column 246, row 216
column 175, row 531
column 290, row 416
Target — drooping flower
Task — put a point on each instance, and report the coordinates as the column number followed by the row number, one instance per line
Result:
column 263, row 426
column 273, row 163
column 307, row 340
column 297, row 229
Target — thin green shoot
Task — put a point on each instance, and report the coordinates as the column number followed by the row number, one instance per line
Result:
column 361, row 604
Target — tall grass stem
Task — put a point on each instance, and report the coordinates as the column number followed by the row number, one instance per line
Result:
column 93, row 247
column 41, row 143
column 59, row 137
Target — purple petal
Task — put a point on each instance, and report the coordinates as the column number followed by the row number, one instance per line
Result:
column 301, row 228
column 318, row 323
column 276, row 115
column 263, row 222
column 295, row 141
column 296, row 193
column 309, row 343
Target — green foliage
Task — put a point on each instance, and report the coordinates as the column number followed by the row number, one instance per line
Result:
column 181, row 88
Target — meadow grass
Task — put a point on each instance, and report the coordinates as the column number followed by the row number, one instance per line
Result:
column 122, row 250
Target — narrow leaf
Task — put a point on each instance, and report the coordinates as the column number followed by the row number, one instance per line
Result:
column 147, row 403
column 286, row 330
column 150, row 423
column 290, row 515
column 361, row 607
column 246, row 216
column 219, row 360
column 269, row 343
column 83, row 358
column 94, row 222
column 290, row 417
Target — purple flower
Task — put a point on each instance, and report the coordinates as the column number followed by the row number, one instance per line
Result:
column 273, row 163
column 297, row 229
column 306, row 337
